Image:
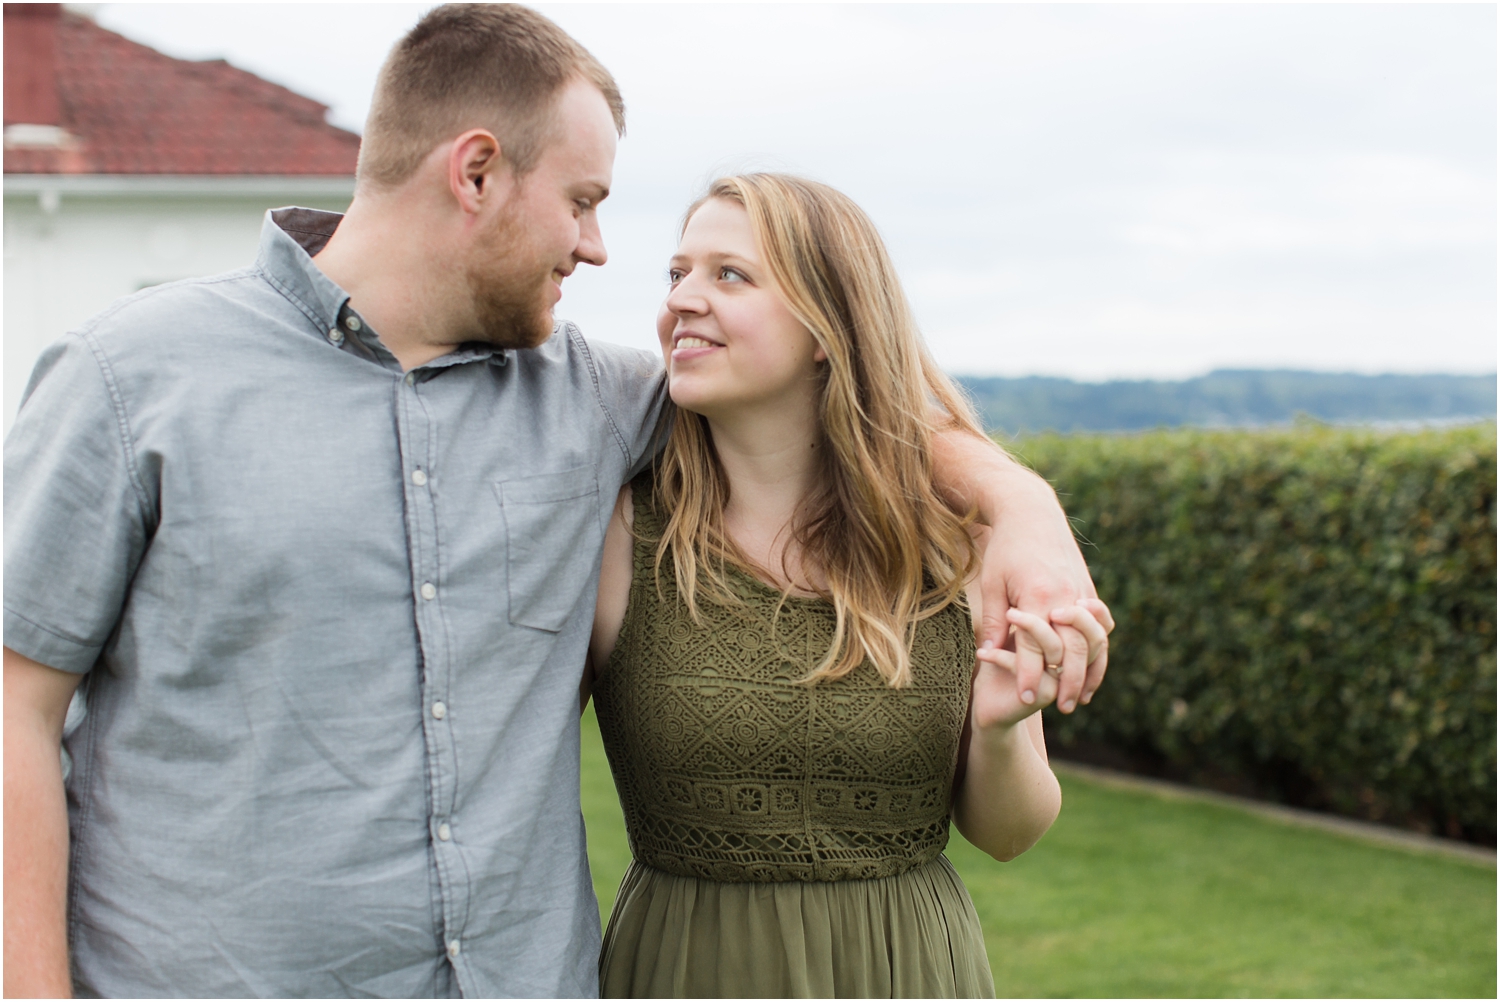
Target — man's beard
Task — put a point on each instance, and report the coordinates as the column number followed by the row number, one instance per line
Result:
column 508, row 302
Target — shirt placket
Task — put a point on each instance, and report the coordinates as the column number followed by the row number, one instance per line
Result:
column 415, row 426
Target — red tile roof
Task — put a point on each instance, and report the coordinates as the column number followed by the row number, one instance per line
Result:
column 128, row 109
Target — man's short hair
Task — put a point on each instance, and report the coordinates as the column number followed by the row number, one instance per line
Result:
column 474, row 65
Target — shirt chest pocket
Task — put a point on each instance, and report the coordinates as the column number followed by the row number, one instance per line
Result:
column 553, row 532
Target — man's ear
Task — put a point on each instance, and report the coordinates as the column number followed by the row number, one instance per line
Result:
column 475, row 165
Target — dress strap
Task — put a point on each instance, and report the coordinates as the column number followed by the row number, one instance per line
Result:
column 648, row 523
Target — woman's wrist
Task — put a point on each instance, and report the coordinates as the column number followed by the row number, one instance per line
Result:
column 1001, row 739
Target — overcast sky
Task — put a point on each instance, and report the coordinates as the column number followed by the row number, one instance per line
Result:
column 1098, row 192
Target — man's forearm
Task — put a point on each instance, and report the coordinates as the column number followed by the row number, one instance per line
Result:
column 975, row 473
column 36, row 850
column 36, row 869
column 1031, row 561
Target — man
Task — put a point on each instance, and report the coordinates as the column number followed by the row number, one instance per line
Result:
column 320, row 540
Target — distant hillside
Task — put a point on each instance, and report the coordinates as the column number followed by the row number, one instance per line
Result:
column 1226, row 398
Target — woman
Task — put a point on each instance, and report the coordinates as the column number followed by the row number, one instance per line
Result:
column 782, row 657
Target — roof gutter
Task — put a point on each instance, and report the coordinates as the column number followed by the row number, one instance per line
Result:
column 50, row 187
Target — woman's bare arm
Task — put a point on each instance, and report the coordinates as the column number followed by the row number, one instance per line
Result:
column 615, row 574
column 1008, row 796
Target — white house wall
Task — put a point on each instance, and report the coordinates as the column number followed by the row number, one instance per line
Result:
column 68, row 256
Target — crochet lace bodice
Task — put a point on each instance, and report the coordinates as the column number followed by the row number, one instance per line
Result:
column 730, row 769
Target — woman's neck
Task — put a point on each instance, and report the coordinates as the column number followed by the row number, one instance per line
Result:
column 771, row 459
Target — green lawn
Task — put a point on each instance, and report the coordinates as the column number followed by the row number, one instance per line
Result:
column 1134, row 895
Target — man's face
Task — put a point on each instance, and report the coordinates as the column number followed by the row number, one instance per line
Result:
column 547, row 226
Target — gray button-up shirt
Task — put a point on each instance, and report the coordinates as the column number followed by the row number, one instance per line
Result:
column 333, row 618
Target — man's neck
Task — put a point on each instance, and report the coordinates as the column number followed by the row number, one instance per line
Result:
column 398, row 277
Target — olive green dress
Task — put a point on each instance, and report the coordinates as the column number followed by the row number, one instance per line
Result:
column 788, row 838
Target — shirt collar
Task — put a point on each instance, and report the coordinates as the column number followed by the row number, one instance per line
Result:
column 288, row 239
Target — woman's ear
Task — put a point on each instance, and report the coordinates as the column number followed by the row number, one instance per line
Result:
column 820, row 355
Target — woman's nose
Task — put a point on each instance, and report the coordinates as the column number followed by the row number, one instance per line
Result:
column 685, row 299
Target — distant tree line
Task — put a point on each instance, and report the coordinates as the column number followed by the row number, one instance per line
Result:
column 1226, row 398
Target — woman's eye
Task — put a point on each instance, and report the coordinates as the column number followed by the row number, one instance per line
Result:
column 730, row 275
column 674, row 276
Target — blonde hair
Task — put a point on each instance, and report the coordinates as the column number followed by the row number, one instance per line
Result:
column 469, row 65
column 890, row 550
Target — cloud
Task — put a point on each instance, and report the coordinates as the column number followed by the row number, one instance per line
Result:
column 1094, row 190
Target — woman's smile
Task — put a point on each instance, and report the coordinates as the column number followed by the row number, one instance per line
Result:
column 688, row 345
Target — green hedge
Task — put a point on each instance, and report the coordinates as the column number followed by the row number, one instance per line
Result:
column 1311, row 610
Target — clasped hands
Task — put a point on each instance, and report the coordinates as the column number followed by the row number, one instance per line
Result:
column 1044, row 634
column 1011, row 685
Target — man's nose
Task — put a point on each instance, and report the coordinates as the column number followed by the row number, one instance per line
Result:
column 591, row 242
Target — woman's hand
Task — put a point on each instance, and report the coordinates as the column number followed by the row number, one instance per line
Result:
column 999, row 699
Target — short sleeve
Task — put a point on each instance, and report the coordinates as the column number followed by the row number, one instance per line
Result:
column 75, row 512
column 633, row 391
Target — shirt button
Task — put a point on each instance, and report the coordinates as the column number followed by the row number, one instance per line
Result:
column 419, row 478
column 429, row 592
column 336, row 336
column 444, row 833
column 411, row 378
column 439, row 710
column 452, row 947
column 352, row 322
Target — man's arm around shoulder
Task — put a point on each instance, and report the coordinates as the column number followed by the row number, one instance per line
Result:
column 36, row 830
column 1031, row 562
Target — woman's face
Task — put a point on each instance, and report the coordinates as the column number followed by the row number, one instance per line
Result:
column 729, row 340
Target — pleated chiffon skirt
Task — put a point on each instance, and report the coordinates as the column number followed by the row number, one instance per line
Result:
column 914, row 935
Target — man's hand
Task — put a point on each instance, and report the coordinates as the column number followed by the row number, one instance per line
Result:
column 1031, row 562
column 36, row 830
